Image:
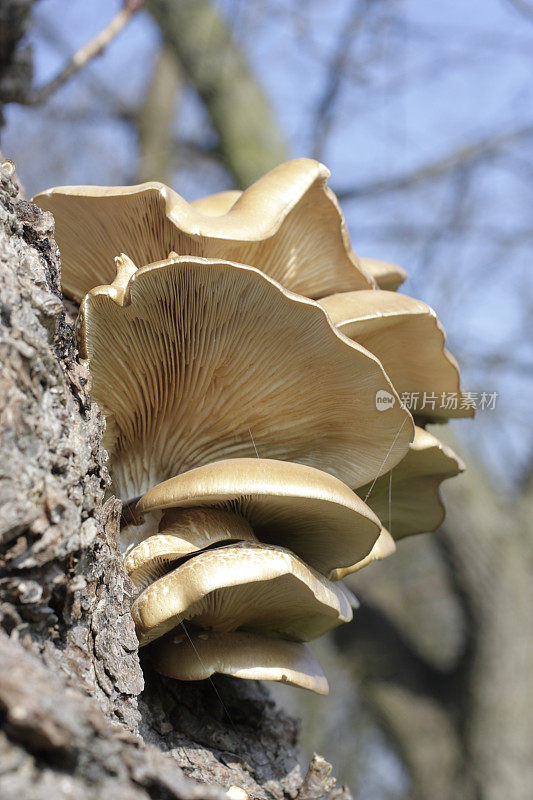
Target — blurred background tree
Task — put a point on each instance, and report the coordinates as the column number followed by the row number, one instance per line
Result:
column 423, row 112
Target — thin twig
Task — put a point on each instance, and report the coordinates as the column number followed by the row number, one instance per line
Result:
column 477, row 151
column 85, row 54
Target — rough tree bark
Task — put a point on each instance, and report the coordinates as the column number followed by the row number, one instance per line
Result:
column 78, row 717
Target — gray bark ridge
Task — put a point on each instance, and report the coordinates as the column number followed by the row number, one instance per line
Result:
column 78, row 716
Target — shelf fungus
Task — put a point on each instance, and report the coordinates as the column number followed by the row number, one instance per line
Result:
column 408, row 339
column 196, row 360
column 384, row 547
column 257, row 588
column 408, row 501
column 310, row 512
column 288, row 224
column 198, row 655
column 245, row 426
column 386, row 275
column 180, row 534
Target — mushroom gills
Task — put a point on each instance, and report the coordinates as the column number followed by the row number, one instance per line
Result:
column 409, row 500
column 187, row 331
column 193, row 655
column 256, row 588
column 407, row 338
column 288, row 224
column 306, row 510
column 164, row 556
column 182, row 533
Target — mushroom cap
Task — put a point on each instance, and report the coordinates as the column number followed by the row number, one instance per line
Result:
column 183, row 533
column 384, row 547
column 196, row 360
column 257, row 588
column 196, row 656
column 214, row 205
column 415, row 502
column 387, row 276
column 288, row 224
column 310, row 512
column 408, row 339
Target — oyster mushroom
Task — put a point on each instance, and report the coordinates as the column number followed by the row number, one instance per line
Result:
column 198, row 655
column 288, row 224
column 256, row 588
column 408, row 339
column 181, row 534
column 408, row 500
column 310, row 512
column 415, row 504
column 384, row 547
column 194, row 360
column 387, row 276
column 214, row 205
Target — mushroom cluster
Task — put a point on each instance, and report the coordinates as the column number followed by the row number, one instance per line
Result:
column 237, row 352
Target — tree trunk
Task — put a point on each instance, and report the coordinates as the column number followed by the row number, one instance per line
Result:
column 249, row 137
column 79, row 718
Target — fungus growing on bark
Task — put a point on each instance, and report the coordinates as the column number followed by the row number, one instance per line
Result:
column 194, row 360
column 409, row 341
column 256, row 588
column 288, row 224
column 198, row 655
column 200, row 363
column 182, row 533
column 310, row 512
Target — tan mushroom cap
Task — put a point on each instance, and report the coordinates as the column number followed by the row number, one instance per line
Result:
column 257, row 588
column 196, row 656
column 387, row 276
column 415, row 502
column 183, row 533
column 197, row 360
column 310, row 512
column 408, row 339
column 214, row 205
column 384, row 547
column 288, row 224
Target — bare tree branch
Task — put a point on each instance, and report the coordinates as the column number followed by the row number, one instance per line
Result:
column 86, row 53
column 335, row 73
column 250, row 138
column 155, row 117
column 523, row 7
column 471, row 154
